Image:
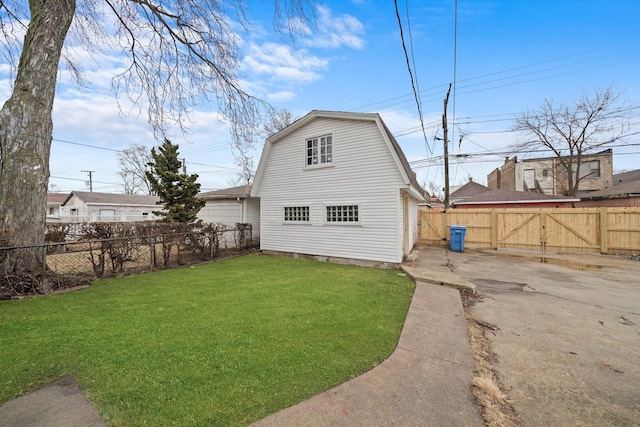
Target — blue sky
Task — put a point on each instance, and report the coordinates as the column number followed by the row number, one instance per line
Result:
column 510, row 56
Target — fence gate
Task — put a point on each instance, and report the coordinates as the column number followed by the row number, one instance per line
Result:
column 522, row 230
column 576, row 230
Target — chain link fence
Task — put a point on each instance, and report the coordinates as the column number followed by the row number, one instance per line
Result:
column 77, row 253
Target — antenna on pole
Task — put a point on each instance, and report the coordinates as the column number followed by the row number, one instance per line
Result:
column 90, row 179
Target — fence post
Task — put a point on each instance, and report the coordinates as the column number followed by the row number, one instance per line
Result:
column 604, row 238
column 152, row 253
column 211, row 243
column 444, row 227
column 494, row 229
column 44, row 264
column 543, row 230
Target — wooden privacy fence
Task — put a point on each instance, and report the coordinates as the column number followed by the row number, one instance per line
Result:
column 599, row 230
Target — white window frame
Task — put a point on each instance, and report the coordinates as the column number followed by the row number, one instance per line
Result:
column 290, row 218
column 342, row 213
column 318, row 151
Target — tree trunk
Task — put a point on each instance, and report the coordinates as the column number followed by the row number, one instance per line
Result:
column 25, row 137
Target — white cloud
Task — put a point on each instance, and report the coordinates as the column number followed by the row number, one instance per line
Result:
column 279, row 63
column 335, row 31
column 282, row 96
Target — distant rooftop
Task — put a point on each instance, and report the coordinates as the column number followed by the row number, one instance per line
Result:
column 225, row 193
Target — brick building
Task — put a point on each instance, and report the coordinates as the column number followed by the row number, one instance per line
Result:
column 547, row 176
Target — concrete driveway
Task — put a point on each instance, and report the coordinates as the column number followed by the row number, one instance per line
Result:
column 568, row 343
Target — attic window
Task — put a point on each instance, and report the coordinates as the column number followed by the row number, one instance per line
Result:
column 319, row 150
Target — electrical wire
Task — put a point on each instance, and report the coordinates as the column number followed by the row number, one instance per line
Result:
column 413, row 85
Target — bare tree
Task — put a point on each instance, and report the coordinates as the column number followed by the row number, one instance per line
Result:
column 133, row 163
column 433, row 189
column 277, row 120
column 180, row 53
column 571, row 131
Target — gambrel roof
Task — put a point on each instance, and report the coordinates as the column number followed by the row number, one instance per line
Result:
column 408, row 175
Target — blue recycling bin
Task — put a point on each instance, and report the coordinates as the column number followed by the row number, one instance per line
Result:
column 456, row 237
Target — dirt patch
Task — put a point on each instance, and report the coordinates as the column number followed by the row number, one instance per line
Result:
column 496, row 409
column 15, row 287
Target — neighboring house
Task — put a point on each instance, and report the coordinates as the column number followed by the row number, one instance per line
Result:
column 230, row 206
column 500, row 198
column 469, row 189
column 625, row 192
column 336, row 184
column 431, row 202
column 546, row 175
column 54, row 201
column 91, row 206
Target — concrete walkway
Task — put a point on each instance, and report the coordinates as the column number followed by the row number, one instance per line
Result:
column 61, row 403
column 425, row 382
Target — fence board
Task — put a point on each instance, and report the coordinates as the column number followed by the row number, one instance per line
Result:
column 603, row 230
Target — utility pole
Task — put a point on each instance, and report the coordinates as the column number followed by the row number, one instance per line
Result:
column 446, row 150
column 90, row 180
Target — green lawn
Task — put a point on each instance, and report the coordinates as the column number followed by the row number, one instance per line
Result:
column 225, row 343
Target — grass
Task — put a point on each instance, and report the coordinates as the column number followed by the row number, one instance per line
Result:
column 225, row 343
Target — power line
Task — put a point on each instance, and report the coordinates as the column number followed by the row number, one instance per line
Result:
column 403, row 103
column 121, row 151
column 413, row 85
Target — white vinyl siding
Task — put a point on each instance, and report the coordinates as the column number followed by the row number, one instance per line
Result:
column 252, row 215
column 363, row 170
column 413, row 221
column 232, row 211
column 95, row 211
column 225, row 211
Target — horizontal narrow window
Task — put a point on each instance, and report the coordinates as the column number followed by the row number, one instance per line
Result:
column 346, row 213
column 296, row 213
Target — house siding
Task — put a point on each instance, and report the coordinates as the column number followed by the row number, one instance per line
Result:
column 363, row 172
column 225, row 211
column 253, row 215
column 92, row 210
column 413, row 222
column 231, row 211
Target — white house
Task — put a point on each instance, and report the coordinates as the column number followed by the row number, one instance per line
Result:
column 336, row 184
column 92, row 206
column 230, row 206
column 54, row 202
